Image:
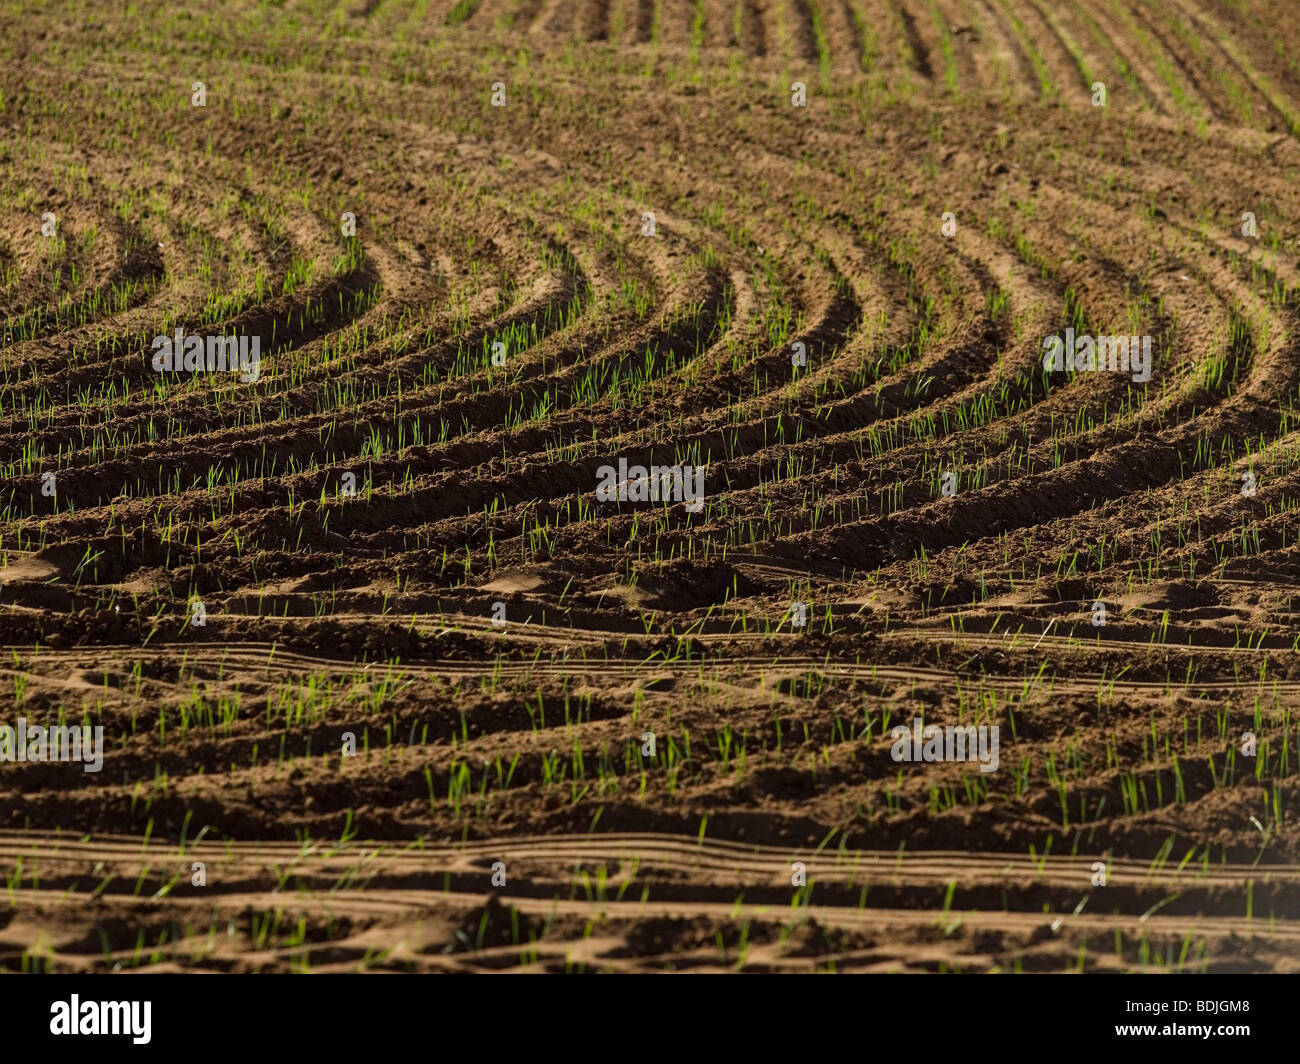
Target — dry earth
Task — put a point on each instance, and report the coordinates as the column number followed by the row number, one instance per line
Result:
column 370, row 612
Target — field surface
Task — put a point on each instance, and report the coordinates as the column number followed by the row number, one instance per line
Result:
column 385, row 686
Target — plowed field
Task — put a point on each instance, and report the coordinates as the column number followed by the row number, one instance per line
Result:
column 386, row 684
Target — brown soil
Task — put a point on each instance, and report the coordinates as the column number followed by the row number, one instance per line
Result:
column 372, row 613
